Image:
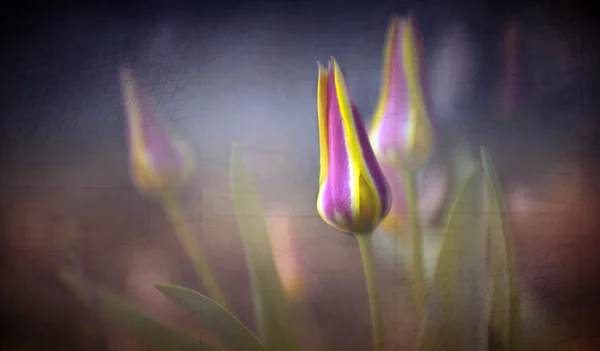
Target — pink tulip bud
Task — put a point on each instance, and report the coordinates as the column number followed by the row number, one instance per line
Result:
column 401, row 134
column 159, row 161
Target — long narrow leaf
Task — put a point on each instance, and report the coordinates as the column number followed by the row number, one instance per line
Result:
column 270, row 303
column 505, row 311
column 456, row 311
column 432, row 239
column 151, row 333
column 232, row 333
column 462, row 167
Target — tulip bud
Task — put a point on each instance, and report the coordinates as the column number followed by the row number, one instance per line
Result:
column 401, row 134
column 158, row 160
column 353, row 195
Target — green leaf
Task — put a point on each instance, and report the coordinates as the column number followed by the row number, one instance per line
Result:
column 505, row 304
column 432, row 240
column 456, row 315
column 151, row 333
column 215, row 319
column 270, row 303
column 386, row 245
column 463, row 165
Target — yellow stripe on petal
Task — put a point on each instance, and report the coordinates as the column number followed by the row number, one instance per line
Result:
column 419, row 134
column 133, row 111
column 370, row 204
column 322, row 115
column 391, row 36
column 413, row 66
column 134, row 123
column 360, row 176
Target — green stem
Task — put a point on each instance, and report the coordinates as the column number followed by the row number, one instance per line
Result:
column 194, row 251
column 419, row 284
column 366, row 251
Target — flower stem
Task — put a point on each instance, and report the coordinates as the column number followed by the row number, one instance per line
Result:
column 419, row 284
column 193, row 249
column 366, row 251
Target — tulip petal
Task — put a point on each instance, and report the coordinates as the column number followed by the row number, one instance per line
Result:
column 392, row 98
column 336, row 198
column 401, row 132
column 151, row 134
column 413, row 59
column 135, row 139
column 354, row 193
column 134, row 124
column 363, row 159
column 157, row 158
column 159, row 141
column 322, row 109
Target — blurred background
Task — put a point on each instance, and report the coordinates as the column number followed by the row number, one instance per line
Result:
column 520, row 78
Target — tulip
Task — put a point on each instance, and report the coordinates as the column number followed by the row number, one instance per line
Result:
column 353, row 195
column 159, row 161
column 160, row 164
column 401, row 133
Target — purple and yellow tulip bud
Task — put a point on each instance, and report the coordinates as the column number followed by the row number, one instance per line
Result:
column 158, row 160
column 353, row 194
column 401, row 132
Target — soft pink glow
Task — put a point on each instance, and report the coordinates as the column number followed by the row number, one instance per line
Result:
column 282, row 241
